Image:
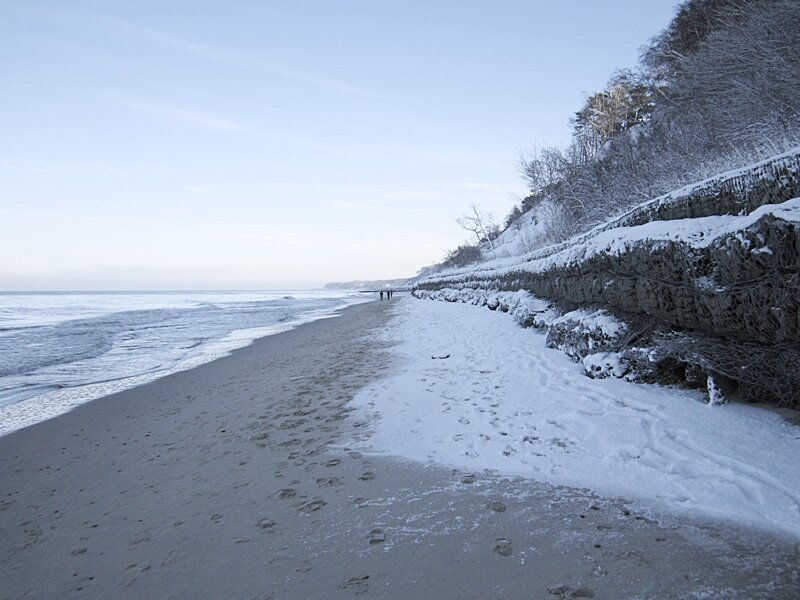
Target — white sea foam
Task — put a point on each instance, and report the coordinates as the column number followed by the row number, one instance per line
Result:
column 58, row 351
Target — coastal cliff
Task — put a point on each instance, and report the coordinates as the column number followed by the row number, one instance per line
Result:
column 700, row 287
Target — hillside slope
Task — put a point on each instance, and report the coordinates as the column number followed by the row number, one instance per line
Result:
column 704, row 284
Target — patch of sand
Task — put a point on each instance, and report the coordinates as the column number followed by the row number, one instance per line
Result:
column 234, row 480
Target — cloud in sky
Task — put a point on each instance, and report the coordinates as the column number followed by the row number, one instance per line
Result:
column 226, row 56
column 214, row 122
column 239, row 59
column 52, row 216
column 308, row 140
column 53, row 169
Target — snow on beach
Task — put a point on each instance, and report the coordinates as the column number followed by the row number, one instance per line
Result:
column 475, row 391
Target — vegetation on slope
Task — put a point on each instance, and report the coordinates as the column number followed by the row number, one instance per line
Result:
column 716, row 90
column 706, row 278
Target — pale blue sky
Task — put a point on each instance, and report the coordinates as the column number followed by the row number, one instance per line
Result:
column 246, row 144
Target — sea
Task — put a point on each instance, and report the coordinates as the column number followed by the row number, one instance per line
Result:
column 59, row 350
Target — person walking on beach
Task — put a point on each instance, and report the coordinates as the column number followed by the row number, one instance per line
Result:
column 381, row 294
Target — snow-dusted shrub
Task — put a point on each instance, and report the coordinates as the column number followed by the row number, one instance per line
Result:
column 526, row 309
column 582, row 332
column 715, row 394
column 602, row 365
column 743, row 370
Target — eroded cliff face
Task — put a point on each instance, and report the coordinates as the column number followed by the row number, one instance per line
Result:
column 707, row 279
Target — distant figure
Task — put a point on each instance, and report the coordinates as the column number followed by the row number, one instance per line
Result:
column 382, row 295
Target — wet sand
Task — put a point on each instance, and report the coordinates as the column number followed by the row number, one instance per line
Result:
column 237, row 479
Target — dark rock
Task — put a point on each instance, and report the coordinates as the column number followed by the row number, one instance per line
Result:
column 265, row 523
column 376, row 536
column 502, row 547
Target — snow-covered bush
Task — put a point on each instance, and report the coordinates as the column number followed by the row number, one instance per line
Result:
column 602, row 365
column 581, row 332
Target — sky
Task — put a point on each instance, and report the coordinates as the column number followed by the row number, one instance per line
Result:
column 279, row 145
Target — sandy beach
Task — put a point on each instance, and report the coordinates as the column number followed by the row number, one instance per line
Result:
column 241, row 479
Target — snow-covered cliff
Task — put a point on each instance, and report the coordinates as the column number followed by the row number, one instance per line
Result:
column 706, row 280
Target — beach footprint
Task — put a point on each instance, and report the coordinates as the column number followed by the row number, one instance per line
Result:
column 316, row 503
column 357, row 585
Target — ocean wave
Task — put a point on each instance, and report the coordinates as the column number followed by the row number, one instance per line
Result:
column 120, row 340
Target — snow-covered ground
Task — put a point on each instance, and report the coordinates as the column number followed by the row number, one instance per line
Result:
column 477, row 392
